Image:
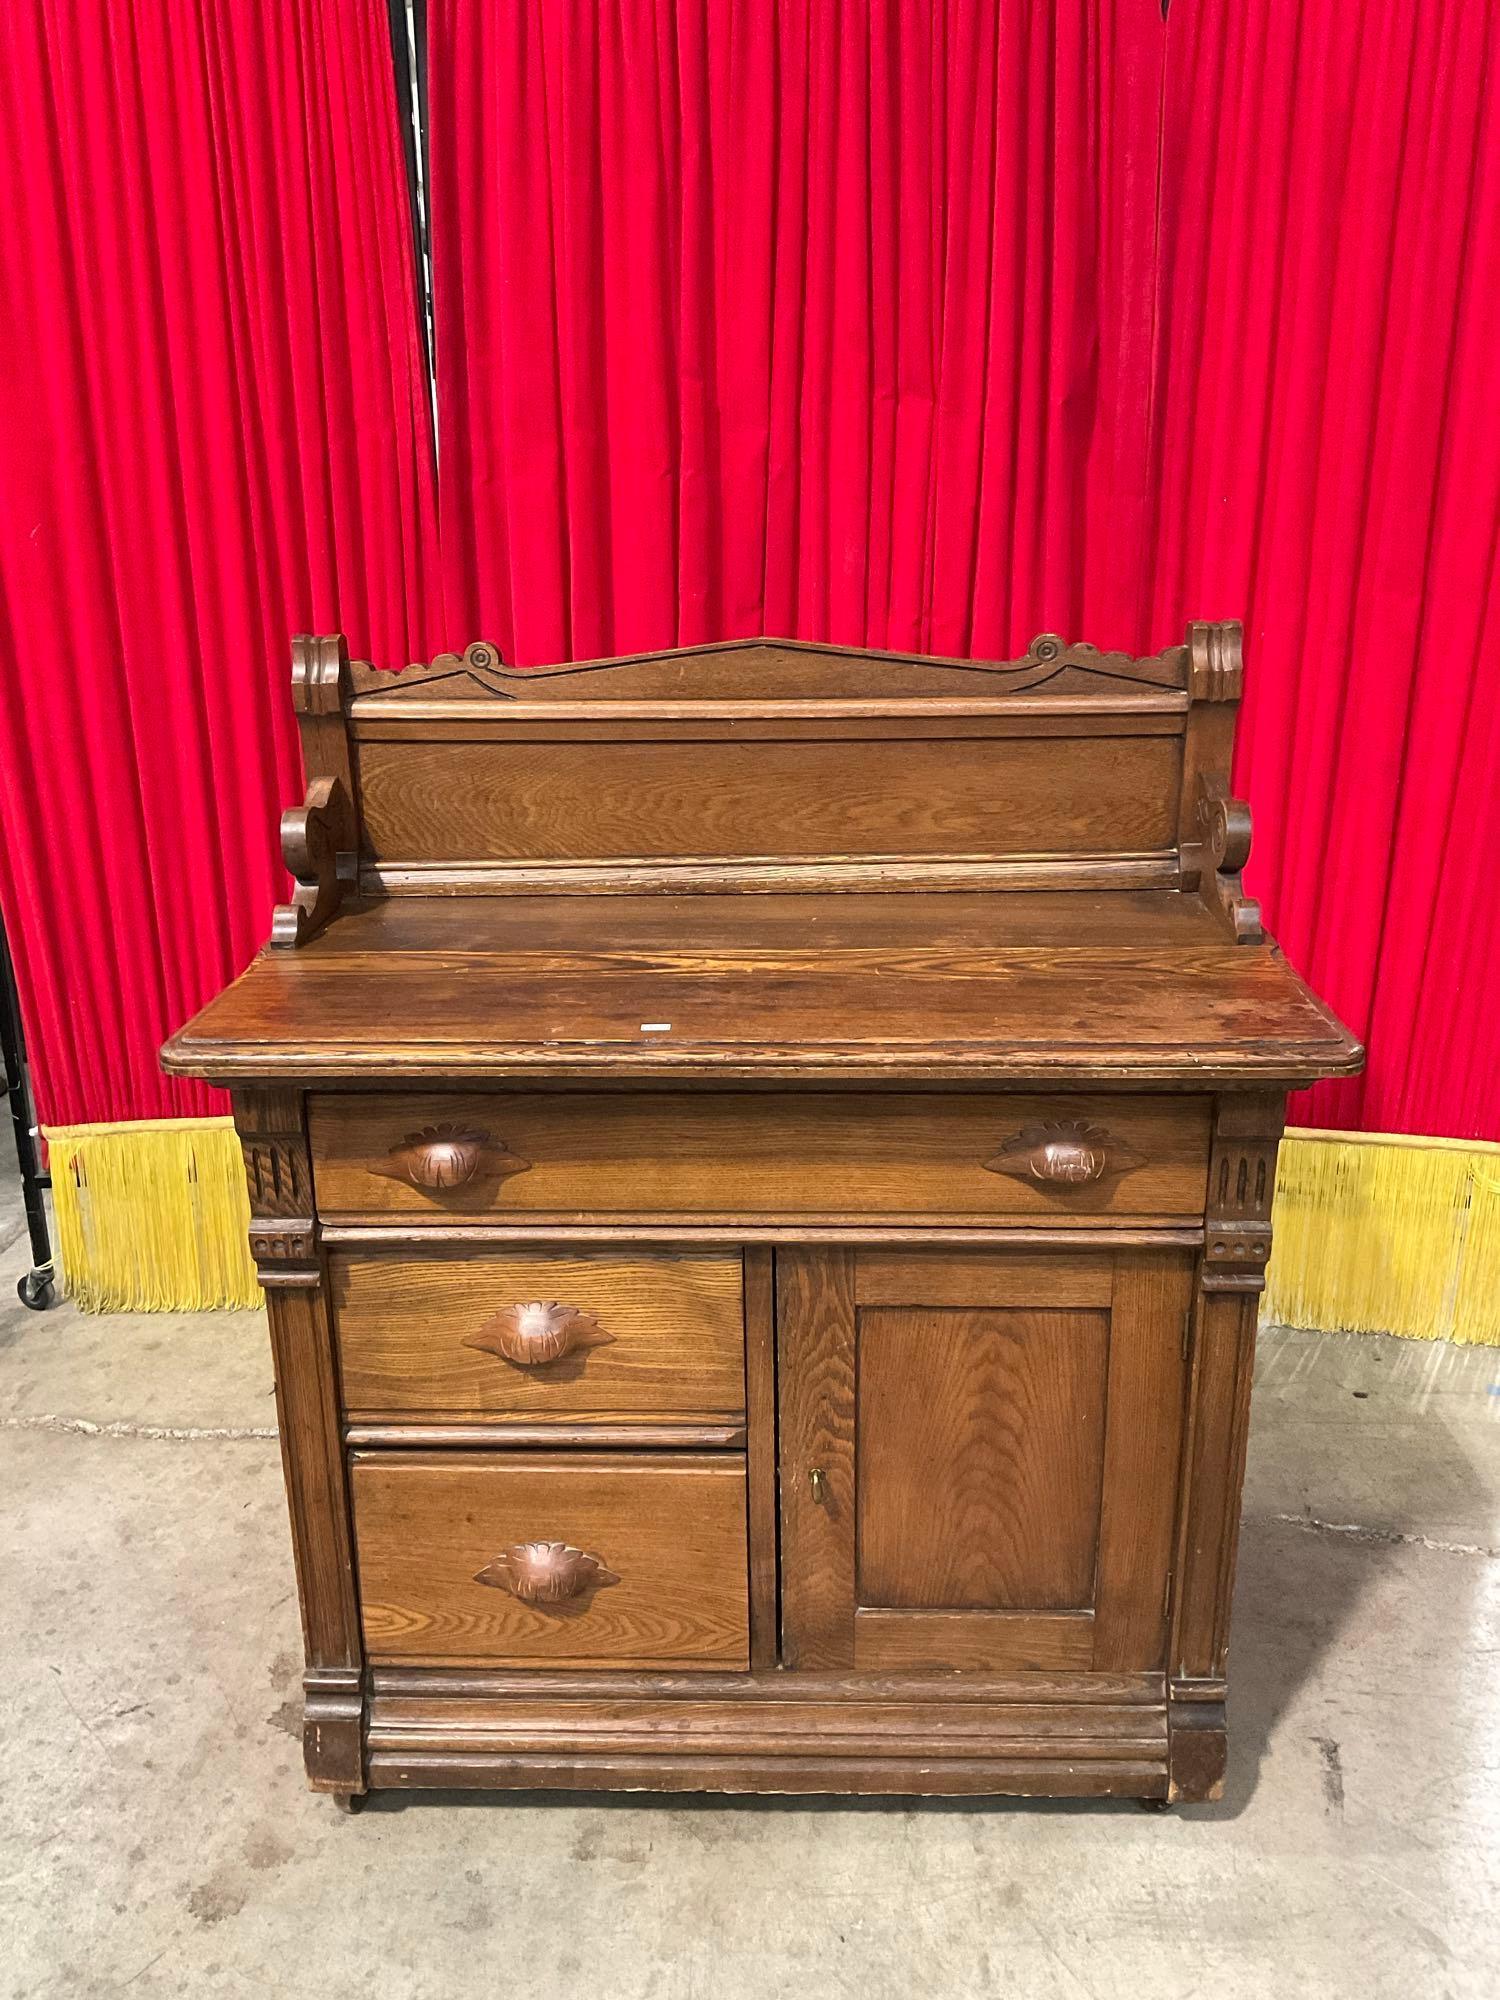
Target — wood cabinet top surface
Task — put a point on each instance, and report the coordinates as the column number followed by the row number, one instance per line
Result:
column 1119, row 986
column 771, row 860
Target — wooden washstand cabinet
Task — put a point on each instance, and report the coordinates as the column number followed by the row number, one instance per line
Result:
column 761, row 1162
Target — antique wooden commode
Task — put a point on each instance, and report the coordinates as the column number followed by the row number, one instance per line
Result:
column 761, row 1160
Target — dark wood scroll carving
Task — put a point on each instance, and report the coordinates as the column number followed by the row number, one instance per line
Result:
column 479, row 664
column 1226, row 826
column 319, row 838
column 319, row 843
column 1049, row 658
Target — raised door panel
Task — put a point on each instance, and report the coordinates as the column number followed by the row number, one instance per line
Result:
column 979, row 1458
column 980, row 1491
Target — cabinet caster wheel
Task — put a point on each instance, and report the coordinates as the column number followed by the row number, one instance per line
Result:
column 348, row 1802
column 37, row 1289
column 1155, row 1805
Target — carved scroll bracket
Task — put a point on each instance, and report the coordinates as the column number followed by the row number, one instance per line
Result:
column 1226, row 829
column 319, row 843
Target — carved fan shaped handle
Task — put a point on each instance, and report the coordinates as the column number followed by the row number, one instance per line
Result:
column 443, row 1160
column 545, row 1572
column 1067, row 1154
column 531, row 1335
column 440, row 1158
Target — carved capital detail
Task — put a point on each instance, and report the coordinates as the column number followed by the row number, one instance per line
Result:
column 278, row 1180
column 276, row 1173
column 1241, row 1189
column 1216, row 660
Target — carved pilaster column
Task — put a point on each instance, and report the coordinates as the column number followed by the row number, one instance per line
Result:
column 1237, row 1248
column 284, row 1242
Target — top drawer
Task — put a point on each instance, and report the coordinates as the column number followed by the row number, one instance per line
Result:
column 714, row 1155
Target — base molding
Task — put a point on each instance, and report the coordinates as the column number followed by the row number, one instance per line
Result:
column 773, row 1738
column 889, row 1776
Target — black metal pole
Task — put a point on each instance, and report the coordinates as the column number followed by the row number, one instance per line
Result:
column 37, row 1289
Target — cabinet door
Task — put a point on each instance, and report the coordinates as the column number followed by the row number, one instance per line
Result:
column 979, row 1456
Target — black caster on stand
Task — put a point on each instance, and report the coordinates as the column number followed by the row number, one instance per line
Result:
column 38, row 1289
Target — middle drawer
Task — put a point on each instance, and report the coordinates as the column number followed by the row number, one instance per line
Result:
column 455, row 1333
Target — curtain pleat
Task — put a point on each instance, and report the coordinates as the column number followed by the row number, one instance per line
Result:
column 936, row 327
column 824, row 320
column 216, row 434
column 1328, row 466
column 882, row 322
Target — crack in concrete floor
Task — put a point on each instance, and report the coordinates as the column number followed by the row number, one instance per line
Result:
column 1357, row 1531
column 165, row 1433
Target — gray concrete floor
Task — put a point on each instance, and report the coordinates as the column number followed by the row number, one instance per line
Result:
column 156, row 1837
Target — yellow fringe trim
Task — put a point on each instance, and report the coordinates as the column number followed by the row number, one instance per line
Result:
column 151, row 1216
column 1380, row 1233
column 1374, row 1233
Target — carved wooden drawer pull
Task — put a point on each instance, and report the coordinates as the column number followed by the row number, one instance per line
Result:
column 442, row 1157
column 545, row 1572
column 542, row 1331
column 1068, row 1153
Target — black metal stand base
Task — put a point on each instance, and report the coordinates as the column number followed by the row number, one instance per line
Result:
column 38, row 1289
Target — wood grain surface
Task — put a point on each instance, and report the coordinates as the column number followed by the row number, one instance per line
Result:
column 454, row 801
column 405, row 1322
column 1125, row 988
column 672, row 1528
column 980, row 1457
column 772, row 1152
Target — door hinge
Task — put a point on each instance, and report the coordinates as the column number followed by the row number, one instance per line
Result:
column 1166, row 1597
column 1187, row 1332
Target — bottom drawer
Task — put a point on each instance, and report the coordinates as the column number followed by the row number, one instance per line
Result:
column 541, row 1558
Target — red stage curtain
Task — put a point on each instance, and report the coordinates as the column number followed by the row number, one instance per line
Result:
column 842, row 321
column 216, row 433
column 812, row 319
column 1329, row 467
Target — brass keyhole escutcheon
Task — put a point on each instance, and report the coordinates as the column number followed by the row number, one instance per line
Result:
column 818, row 1481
